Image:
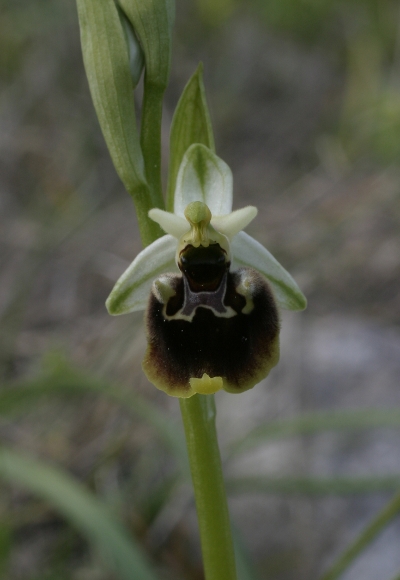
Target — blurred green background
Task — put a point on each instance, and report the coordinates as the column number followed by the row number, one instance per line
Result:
column 305, row 101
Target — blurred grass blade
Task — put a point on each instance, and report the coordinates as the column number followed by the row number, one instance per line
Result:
column 364, row 539
column 82, row 509
column 244, row 567
column 316, row 422
column 313, row 485
column 191, row 124
column 66, row 381
column 6, row 546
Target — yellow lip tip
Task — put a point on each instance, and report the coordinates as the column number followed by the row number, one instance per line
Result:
column 206, row 385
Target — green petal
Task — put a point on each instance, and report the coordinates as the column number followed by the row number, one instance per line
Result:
column 247, row 251
column 203, row 177
column 170, row 223
column 132, row 290
column 234, row 222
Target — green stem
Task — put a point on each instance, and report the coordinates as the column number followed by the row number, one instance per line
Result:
column 149, row 230
column 150, row 140
column 198, row 414
column 365, row 538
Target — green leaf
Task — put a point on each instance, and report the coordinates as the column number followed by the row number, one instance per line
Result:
column 191, row 124
column 316, row 422
column 105, row 54
column 106, row 59
column 82, row 509
column 313, row 485
column 152, row 22
column 369, row 533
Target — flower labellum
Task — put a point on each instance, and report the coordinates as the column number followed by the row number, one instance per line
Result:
column 209, row 328
column 212, row 317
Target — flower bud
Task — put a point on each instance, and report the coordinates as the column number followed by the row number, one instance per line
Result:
column 135, row 52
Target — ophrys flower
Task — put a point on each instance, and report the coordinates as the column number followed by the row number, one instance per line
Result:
column 211, row 315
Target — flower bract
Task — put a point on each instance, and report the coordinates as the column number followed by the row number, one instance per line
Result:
column 211, row 291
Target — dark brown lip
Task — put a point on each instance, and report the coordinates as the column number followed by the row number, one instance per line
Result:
column 240, row 347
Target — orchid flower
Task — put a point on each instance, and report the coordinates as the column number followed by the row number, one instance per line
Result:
column 209, row 288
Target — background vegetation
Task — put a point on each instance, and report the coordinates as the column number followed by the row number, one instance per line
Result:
column 305, row 99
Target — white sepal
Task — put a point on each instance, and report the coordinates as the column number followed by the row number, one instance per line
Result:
column 172, row 224
column 234, row 222
column 247, row 251
column 132, row 290
column 203, row 177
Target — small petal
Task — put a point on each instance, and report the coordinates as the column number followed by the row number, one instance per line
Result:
column 247, row 251
column 172, row 224
column 132, row 290
column 234, row 222
column 203, row 177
